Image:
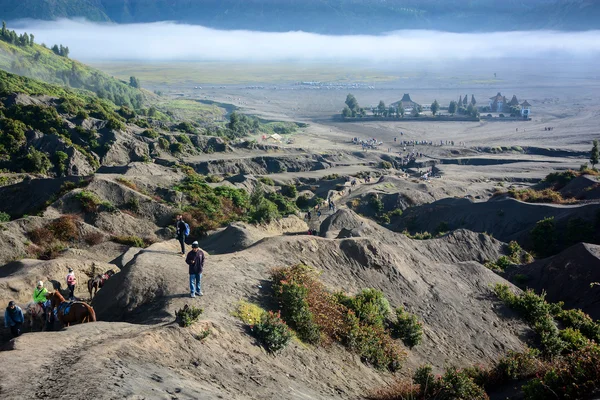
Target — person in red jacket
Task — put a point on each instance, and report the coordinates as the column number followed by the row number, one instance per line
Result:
column 195, row 260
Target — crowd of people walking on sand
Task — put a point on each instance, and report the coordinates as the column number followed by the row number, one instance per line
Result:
column 548, row 128
column 370, row 143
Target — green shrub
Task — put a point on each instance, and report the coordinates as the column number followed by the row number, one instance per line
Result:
column 184, row 139
column 61, row 158
column 265, row 212
column 150, row 133
column 538, row 313
column 573, row 339
column 457, row 384
column 176, row 148
column 579, row 320
column 515, row 366
column 544, row 237
column 386, row 165
column 560, row 179
column 133, row 204
column 375, row 203
column 370, row 306
column 372, row 343
column 272, row 332
column 187, row 315
column 289, row 191
column 441, row 228
column 132, row 241
column 514, row 251
column 4, row 217
column 36, row 162
column 163, row 143
column 408, row 328
column 88, row 200
column 65, row 228
column 297, row 313
column 321, row 317
column 266, row 181
column 576, row 376
column 284, row 206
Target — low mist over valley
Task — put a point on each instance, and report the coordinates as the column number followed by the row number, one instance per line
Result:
column 329, row 199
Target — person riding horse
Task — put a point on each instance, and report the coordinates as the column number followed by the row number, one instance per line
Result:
column 39, row 296
column 97, row 282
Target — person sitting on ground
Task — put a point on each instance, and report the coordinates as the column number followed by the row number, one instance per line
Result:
column 13, row 319
column 71, row 281
column 195, row 261
column 39, row 295
column 181, row 231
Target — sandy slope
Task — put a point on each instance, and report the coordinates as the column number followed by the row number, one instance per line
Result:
column 149, row 357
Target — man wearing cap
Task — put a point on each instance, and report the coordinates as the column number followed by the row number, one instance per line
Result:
column 13, row 318
column 195, row 260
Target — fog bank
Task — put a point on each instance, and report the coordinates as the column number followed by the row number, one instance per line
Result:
column 171, row 41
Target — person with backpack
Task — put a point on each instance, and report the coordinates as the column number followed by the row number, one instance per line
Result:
column 183, row 231
column 13, row 318
column 195, row 261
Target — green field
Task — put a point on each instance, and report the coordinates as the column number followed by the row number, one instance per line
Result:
column 191, row 110
column 221, row 73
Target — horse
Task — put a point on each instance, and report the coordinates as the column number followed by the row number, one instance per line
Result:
column 34, row 311
column 71, row 312
column 97, row 282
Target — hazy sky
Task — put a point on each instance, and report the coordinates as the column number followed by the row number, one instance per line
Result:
column 170, row 41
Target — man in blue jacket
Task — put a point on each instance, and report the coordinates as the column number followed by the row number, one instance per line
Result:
column 195, row 260
column 13, row 318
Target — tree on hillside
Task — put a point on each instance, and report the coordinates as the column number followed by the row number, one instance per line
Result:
column 346, row 112
column 353, row 106
column 595, row 156
column 435, row 107
column 473, row 111
column 416, row 111
column 31, row 37
column 3, row 32
column 134, row 82
column 452, row 107
column 381, row 107
column 391, row 111
column 401, row 110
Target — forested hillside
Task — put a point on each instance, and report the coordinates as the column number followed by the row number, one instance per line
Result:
column 20, row 54
column 325, row 16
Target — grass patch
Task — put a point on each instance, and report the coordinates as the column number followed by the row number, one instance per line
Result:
column 132, row 241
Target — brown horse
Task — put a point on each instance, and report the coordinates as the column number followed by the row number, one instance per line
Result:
column 97, row 282
column 34, row 312
column 78, row 311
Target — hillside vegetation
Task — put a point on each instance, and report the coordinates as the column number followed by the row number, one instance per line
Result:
column 324, row 16
column 39, row 62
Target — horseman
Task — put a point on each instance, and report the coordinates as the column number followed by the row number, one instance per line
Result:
column 39, row 295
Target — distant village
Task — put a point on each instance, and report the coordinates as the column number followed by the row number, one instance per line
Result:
column 462, row 108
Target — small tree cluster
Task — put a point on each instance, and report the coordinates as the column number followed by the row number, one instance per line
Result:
column 22, row 40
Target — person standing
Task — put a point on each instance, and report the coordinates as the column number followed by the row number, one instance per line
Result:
column 195, row 261
column 71, row 282
column 13, row 319
column 182, row 232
